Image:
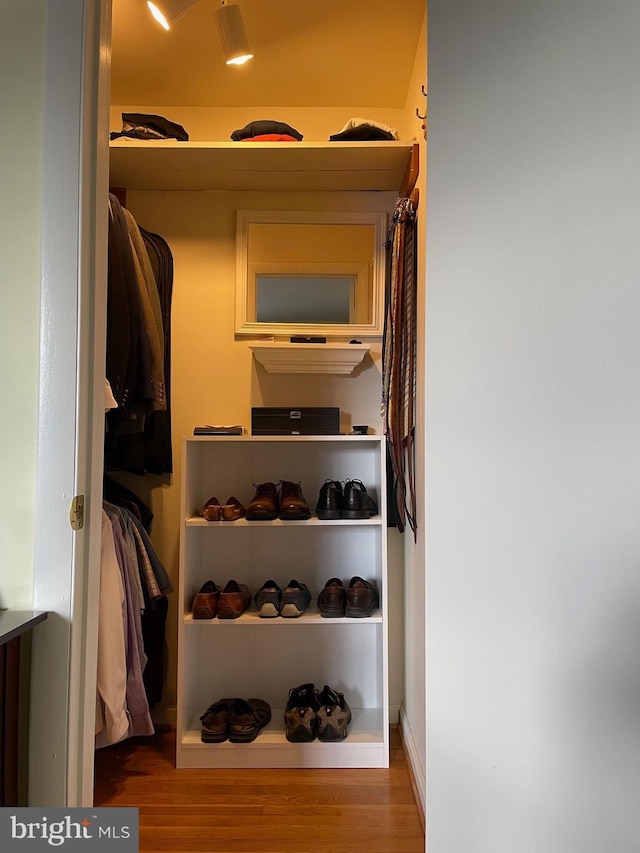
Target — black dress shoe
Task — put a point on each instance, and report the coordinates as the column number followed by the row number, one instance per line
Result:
column 269, row 600
column 330, row 500
column 357, row 503
column 295, row 599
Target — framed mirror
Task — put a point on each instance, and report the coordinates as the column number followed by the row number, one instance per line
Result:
column 310, row 273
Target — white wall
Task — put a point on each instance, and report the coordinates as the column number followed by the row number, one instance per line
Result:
column 414, row 712
column 21, row 101
column 533, row 427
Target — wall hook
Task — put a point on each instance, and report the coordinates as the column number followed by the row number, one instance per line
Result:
column 423, row 118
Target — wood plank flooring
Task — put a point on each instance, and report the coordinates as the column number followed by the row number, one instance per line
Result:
column 259, row 811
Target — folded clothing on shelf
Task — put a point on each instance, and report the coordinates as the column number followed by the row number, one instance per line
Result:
column 209, row 429
column 265, row 126
column 272, row 137
column 364, row 130
column 149, row 127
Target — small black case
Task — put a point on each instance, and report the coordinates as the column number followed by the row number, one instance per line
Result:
column 315, row 420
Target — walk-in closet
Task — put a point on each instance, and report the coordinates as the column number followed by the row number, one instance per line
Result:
column 230, row 183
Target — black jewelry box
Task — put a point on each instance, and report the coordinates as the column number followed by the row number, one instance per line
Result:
column 315, row 420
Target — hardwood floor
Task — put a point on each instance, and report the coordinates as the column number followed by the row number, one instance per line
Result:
column 259, row 811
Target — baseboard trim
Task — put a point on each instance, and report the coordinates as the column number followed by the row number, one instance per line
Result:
column 416, row 769
column 163, row 715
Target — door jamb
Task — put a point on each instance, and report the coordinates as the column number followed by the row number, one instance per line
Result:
column 71, row 399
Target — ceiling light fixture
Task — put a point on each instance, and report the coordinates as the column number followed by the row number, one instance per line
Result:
column 167, row 12
column 235, row 44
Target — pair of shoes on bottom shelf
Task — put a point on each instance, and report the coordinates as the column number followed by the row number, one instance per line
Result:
column 272, row 601
column 239, row 720
column 359, row 600
column 227, row 603
column 310, row 713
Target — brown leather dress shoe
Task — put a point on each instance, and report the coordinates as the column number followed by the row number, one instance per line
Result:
column 205, row 604
column 264, row 504
column 232, row 510
column 293, row 506
column 211, row 510
column 332, row 599
column 362, row 598
column 234, row 600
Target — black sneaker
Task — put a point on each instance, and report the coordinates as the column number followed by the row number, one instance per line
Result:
column 301, row 722
column 295, row 599
column 330, row 500
column 268, row 600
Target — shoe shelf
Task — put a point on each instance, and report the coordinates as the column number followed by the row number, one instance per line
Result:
column 364, row 746
column 310, row 616
column 256, row 657
column 314, row 521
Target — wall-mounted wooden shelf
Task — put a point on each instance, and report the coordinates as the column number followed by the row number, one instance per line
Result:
column 310, row 358
column 305, row 166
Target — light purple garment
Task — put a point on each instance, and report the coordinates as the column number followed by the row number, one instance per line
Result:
column 137, row 705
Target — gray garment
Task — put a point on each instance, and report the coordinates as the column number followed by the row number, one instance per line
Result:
column 137, row 705
column 161, row 576
column 132, row 568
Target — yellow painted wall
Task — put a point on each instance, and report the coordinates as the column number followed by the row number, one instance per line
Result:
column 22, row 44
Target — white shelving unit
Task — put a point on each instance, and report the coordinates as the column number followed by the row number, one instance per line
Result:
column 264, row 658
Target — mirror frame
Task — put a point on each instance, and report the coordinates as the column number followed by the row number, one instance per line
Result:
column 246, row 326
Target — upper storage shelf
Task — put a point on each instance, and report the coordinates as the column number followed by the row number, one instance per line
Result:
column 331, row 166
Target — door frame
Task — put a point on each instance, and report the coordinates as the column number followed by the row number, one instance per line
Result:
column 71, row 399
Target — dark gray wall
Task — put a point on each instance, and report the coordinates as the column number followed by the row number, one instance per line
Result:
column 533, row 427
